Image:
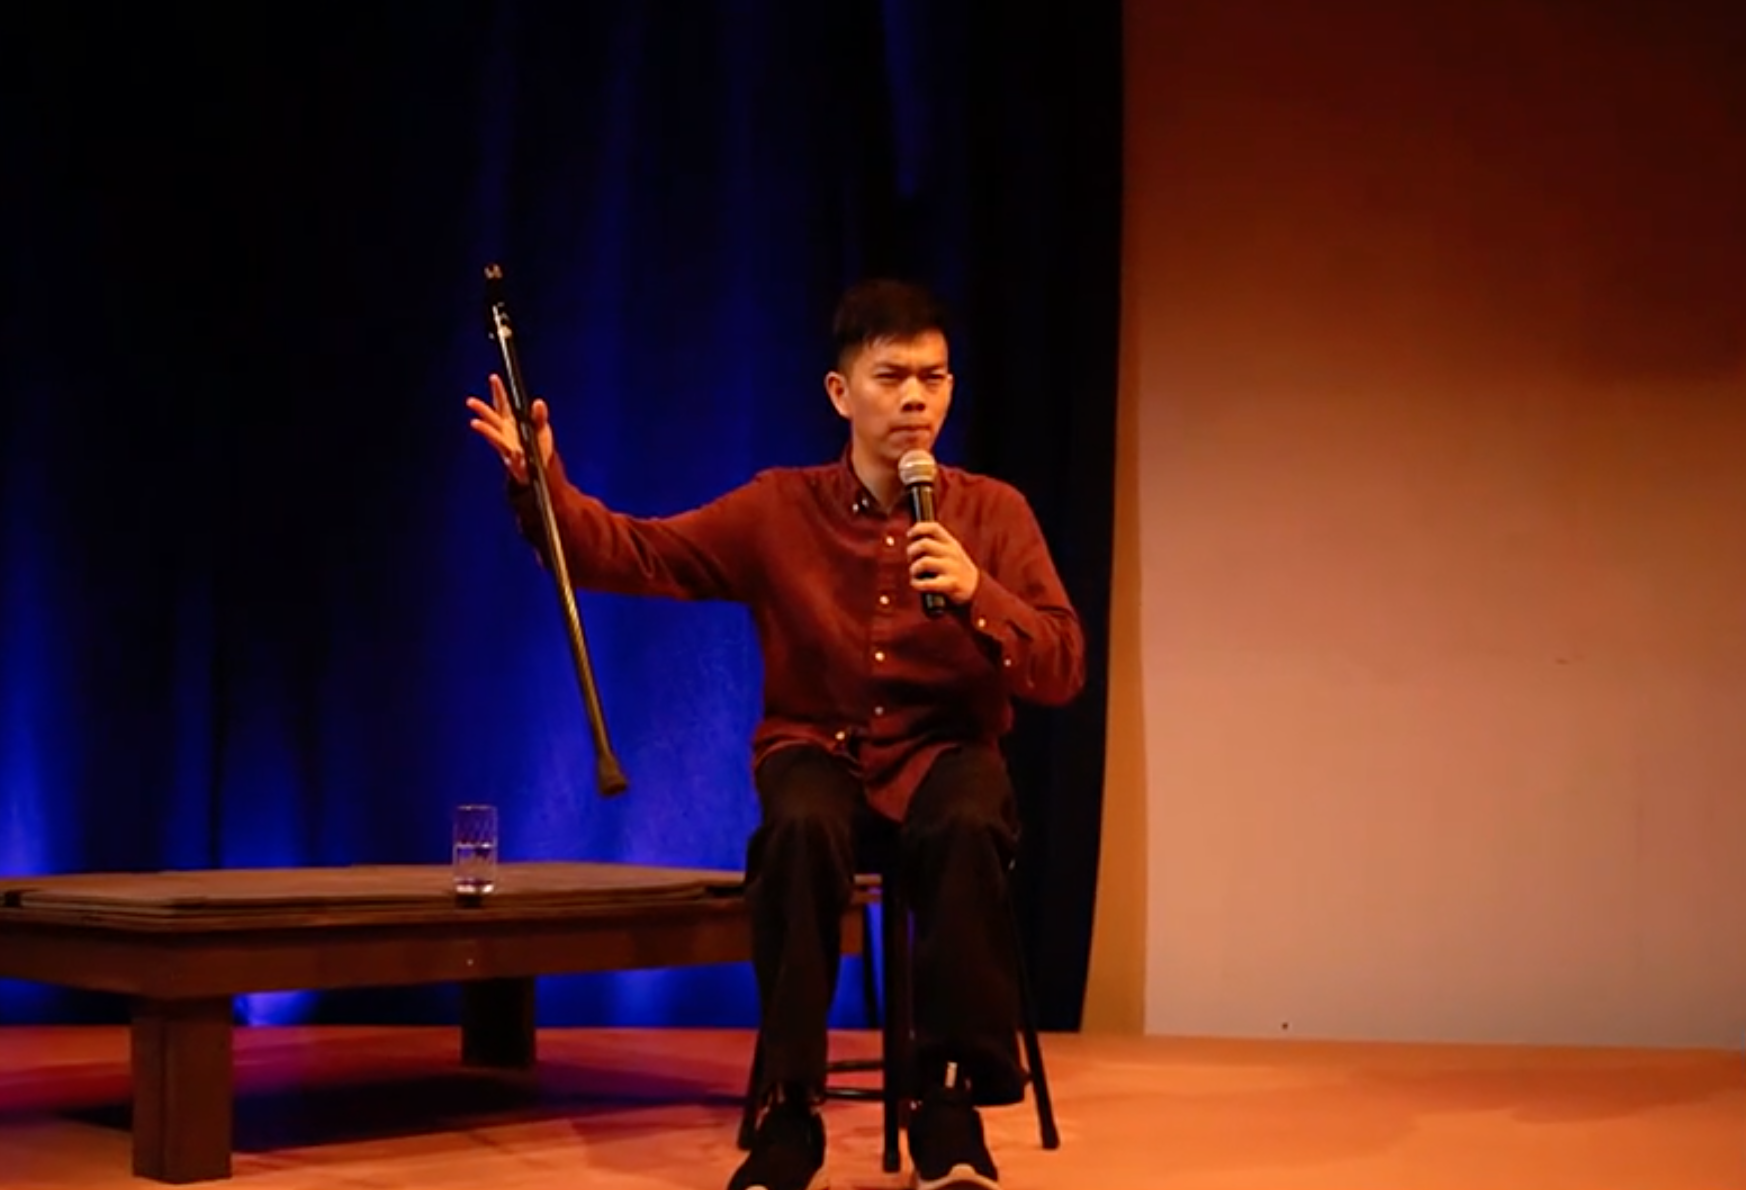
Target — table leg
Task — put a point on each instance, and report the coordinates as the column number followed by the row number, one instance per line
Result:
column 497, row 1023
column 182, row 1088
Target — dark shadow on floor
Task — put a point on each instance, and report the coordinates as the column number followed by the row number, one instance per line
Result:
column 325, row 1112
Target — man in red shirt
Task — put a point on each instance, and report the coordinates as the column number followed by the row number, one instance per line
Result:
column 877, row 715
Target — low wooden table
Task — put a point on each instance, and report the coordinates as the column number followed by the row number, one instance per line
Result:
column 183, row 944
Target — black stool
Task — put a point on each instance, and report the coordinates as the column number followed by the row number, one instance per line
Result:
column 896, row 1024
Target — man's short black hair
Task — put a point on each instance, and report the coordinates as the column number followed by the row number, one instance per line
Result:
column 883, row 308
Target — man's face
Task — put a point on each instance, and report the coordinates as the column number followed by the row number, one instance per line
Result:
column 894, row 394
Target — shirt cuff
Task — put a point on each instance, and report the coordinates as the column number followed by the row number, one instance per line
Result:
column 993, row 614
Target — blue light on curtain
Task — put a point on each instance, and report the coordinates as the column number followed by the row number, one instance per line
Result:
column 35, row 740
column 262, row 602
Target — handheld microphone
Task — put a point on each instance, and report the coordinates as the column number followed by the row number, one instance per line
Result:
column 917, row 470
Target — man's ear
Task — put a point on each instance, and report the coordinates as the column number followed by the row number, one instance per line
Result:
column 837, row 386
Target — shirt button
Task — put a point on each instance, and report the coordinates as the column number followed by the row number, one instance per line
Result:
column 878, row 710
column 1007, row 663
column 841, row 736
column 889, row 540
column 878, row 654
column 981, row 621
column 884, row 600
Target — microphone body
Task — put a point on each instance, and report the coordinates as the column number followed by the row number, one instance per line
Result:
column 917, row 469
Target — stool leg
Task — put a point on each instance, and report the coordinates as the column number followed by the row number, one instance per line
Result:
column 1033, row 1047
column 749, row 1113
column 896, row 1040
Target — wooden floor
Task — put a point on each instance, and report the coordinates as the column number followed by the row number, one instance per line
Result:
column 369, row 1108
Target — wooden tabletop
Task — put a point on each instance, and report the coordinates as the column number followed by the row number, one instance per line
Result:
column 192, row 900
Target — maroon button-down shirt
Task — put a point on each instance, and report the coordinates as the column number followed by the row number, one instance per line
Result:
column 851, row 663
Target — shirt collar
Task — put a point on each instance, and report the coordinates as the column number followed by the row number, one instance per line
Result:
column 853, row 494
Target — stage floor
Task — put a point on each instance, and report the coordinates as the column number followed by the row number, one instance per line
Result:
column 381, row 1108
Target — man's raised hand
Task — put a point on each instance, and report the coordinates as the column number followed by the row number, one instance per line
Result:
column 496, row 424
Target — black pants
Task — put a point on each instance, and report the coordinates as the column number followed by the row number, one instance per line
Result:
column 956, row 842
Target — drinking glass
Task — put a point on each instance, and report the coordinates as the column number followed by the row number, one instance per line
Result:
column 475, row 857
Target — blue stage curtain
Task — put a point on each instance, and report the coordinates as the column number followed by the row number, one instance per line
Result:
column 261, row 600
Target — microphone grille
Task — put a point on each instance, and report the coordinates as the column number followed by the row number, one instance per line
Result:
column 916, row 466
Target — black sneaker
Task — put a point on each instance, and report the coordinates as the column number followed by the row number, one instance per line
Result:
column 788, row 1151
column 946, row 1143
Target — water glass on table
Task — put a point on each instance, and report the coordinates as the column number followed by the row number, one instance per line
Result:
column 475, row 855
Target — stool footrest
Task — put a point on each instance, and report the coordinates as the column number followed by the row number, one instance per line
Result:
column 859, row 1094
column 856, row 1066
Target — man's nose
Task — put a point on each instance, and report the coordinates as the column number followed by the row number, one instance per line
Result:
column 915, row 397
